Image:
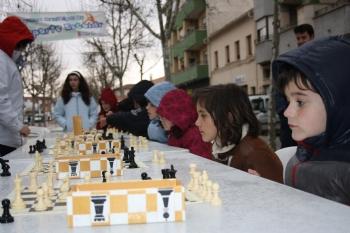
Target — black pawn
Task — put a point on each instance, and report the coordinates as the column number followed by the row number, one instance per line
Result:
column 132, row 158
column 104, row 180
column 144, row 176
column 126, row 155
column 6, row 216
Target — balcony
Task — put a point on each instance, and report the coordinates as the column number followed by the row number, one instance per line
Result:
column 189, row 10
column 193, row 73
column 191, row 41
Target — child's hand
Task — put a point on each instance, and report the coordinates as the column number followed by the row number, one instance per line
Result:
column 253, row 172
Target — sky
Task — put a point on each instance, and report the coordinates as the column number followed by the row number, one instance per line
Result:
column 69, row 50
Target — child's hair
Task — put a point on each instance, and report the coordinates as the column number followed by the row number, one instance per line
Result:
column 290, row 74
column 83, row 88
column 230, row 108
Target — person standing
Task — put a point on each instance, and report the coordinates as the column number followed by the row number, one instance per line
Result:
column 14, row 37
column 75, row 99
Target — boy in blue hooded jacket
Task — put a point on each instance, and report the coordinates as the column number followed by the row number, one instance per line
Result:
column 314, row 83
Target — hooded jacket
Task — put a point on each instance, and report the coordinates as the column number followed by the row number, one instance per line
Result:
column 155, row 130
column 12, row 31
column 177, row 107
column 107, row 96
column 135, row 121
column 326, row 64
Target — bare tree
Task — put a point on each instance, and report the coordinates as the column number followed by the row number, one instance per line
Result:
column 166, row 12
column 40, row 73
column 127, row 35
column 141, row 62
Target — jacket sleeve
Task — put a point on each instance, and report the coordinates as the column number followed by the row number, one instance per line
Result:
column 59, row 113
column 8, row 116
column 93, row 113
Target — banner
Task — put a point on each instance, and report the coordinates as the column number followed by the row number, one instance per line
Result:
column 48, row 26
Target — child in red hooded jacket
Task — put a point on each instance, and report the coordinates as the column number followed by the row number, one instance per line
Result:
column 109, row 104
column 178, row 115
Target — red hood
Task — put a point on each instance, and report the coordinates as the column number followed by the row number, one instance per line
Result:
column 12, row 31
column 108, row 96
column 177, row 107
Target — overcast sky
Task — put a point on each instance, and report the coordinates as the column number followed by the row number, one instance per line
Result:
column 70, row 50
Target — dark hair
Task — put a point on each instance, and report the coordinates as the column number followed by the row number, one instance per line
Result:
column 302, row 28
column 290, row 74
column 83, row 89
column 230, row 108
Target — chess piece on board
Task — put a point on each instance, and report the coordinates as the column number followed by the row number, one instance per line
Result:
column 5, row 167
column 132, row 159
column 40, row 205
column 144, row 176
column 216, row 201
column 155, row 156
column 18, row 203
column 33, row 186
column 104, row 180
column 6, row 216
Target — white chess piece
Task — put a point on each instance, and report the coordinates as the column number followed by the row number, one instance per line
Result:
column 108, row 177
column 195, row 186
column 18, row 203
column 46, row 195
column 192, row 170
column 216, row 201
column 204, row 180
column 50, row 183
column 33, row 182
column 64, row 189
column 161, row 157
column 40, row 205
column 209, row 195
column 87, row 178
column 155, row 156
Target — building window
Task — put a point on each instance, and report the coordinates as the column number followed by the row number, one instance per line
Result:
column 264, row 28
column 249, row 45
column 266, row 71
column 238, row 54
column 216, row 58
column 227, row 51
column 252, row 91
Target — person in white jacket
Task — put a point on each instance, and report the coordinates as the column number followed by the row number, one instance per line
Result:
column 14, row 37
column 75, row 99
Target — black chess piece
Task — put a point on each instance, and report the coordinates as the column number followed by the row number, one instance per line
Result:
column 72, row 144
column 126, row 155
column 104, row 180
column 144, row 176
column 110, row 136
column 165, row 173
column 6, row 216
column 5, row 167
column 172, row 172
column 44, row 144
column 132, row 159
column 31, row 149
column 122, row 143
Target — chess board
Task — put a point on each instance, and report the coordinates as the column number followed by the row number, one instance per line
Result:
column 30, row 200
column 45, row 168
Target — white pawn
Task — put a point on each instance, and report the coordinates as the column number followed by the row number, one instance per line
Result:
column 209, row 195
column 87, row 178
column 40, row 205
column 64, row 189
column 204, row 184
column 33, row 182
column 18, row 203
column 161, row 158
column 192, row 170
column 155, row 156
column 216, row 201
column 195, row 186
column 46, row 195
column 108, row 177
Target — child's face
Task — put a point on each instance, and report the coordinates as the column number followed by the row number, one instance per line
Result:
column 74, row 82
column 205, row 124
column 306, row 112
column 152, row 111
column 166, row 123
column 106, row 107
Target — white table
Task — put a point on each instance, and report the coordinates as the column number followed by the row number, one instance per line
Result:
column 250, row 204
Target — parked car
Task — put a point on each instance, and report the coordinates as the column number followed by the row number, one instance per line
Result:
column 39, row 117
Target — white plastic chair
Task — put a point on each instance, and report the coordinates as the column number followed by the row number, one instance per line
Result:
column 284, row 155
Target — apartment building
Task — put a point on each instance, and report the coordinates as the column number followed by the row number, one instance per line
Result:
column 189, row 65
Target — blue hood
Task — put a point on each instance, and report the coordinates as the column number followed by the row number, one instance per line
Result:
column 326, row 64
column 156, row 93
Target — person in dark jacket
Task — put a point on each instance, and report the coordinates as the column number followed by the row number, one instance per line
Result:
column 314, row 83
column 136, row 120
column 233, row 129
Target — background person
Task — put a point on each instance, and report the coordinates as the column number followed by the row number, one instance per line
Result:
column 75, row 99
